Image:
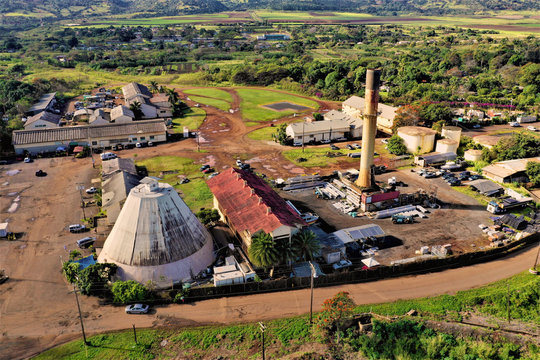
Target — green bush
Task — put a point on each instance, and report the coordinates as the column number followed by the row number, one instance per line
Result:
column 396, row 146
column 128, row 291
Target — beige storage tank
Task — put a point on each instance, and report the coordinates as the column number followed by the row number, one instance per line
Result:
column 451, row 132
column 473, row 155
column 417, row 139
column 446, row 146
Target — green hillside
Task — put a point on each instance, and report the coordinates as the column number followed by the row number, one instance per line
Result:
column 66, row 9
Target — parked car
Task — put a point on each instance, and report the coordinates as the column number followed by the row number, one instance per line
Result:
column 85, row 242
column 137, row 309
column 150, row 143
column 477, row 126
column 334, row 147
column 402, row 219
column 349, row 147
column 204, row 167
column 214, row 174
column 41, row 173
column 326, row 141
column 91, row 190
column 138, row 145
column 430, row 175
column 514, row 124
column 184, row 181
column 385, row 141
column 532, row 128
column 28, row 159
column 245, row 167
column 454, row 182
column 208, row 170
column 356, row 146
column 475, row 177
column 76, row 228
column 108, row 156
column 238, row 162
column 342, row 264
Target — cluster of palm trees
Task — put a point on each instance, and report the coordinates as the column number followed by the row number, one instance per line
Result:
column 177, row 106
column 265, row 251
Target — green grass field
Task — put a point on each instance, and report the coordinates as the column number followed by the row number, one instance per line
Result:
column 317, row 157
column 263, row 134
column 252, row 99
column 211, row 92
column 285, row 336
column 219, row 104
column 196, row 193
column 193, row 118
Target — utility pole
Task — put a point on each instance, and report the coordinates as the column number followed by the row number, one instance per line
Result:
column 313, row 275
column 303, row 139
column 135, row 333
column 198, row 141
column 80, row 314
column 263, row 329
column 80, row 188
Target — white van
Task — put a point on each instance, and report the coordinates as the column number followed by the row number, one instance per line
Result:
column 108, row 156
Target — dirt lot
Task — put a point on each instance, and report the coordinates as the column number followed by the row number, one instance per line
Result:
column 456, row 223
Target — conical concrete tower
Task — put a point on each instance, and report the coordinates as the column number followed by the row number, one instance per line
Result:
column 157, row 237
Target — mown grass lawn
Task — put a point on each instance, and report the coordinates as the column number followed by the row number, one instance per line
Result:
column 193, row 118
column 211, row 92
column 196, row 193
column 253, row 99
column 263, row 134
column 219, row 104
column 318, row 157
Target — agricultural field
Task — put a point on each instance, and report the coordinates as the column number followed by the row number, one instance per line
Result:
column 254, row 99
column 217, row 98
column 292, row 336
column 195, row 193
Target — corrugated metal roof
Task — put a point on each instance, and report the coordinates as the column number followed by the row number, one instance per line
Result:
column 155, row 227
column 74, row 133
column 509, row 167
column 320, row 126
column 358, row 232
column 43, row 102
column 121, row 110
column 485, row 187
column 251, row 204
column 44, row 116
column 114, row 165
column 134, row 89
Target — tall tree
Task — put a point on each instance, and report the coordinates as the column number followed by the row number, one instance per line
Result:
column 263, row 250
column 154, row 86
column 306, row 244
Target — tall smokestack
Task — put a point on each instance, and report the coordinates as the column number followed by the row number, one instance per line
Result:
column 373, row 79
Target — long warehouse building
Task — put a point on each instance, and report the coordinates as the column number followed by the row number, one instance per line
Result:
column 37, row 141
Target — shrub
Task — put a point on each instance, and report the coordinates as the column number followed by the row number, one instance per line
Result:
column 128, row 291
column 396, row 145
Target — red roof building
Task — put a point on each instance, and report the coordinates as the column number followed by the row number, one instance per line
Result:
column 250, row 205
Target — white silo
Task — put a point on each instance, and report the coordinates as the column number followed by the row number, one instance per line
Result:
column 473, row 155
column 157, row 237
column 417, row 139
column 451, row 132
column 446, row 146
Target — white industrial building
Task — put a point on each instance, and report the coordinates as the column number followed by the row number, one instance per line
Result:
column 37, row 141
column 315, row 131
column 417, row 139
column 121, row 114
column 43, row 120
column 355, row 106
column 156, row 237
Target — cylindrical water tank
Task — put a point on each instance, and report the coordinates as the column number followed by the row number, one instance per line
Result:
column 446, row 146
column 418, row 140
column 473, row 155
column 451, row 132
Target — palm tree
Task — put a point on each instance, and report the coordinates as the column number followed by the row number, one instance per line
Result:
column 135, row 107
column 263, row 251
column 173, row 96
column 154, row 86
column 306, row 245
column 286, row 251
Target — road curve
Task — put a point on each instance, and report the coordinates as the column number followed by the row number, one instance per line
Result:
column 260, row 307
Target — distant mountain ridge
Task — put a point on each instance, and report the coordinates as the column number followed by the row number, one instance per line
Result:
column 65, row 9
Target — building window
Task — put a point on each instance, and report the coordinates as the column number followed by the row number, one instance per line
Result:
column 152, row 137
column 94, row 142
column 311, row 136
column 143, row 138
